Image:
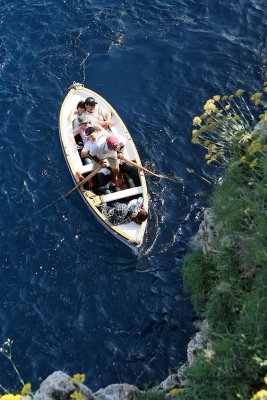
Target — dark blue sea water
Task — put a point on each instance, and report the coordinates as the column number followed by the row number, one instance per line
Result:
column 72, row 297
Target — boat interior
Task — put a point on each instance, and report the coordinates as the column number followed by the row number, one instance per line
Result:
column 73, row 149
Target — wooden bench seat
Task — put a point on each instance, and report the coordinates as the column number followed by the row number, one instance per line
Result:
column 122, row 194
column 86, row 168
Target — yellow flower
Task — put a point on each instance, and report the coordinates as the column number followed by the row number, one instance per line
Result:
column 245, row 138
column 216, row 98
column 227, row 107
column 207, row 156
column 257, row 102
column 256, row 96
column 239, row 92
column 175, row 391
column 231, row 97
column 265, row 89
column 77, row 396
column 10, row 396
column 211, row 148
column 262, row 116
column 260, row 395
column 210, row 107
column 224, row 98
column 197, row 121
column 213, row 126
column 265, row 83
column 26, row 388
column 265, row 149
column 237, row 117
column 207, row 142
column 219, row 113
column 211, row 159
column 255, row 146
column 203, row 129
column 243, row 159
column 77, row 378
column 195, row 140
column 252, row 166
column 195, row 133
column 265, row 379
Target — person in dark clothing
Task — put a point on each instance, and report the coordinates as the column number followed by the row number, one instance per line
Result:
column 102, row 183
column 130, row 175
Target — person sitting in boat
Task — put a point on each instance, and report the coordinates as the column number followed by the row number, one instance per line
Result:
column 84, row 123
column 97, row 114
column 102, row 184
column 75, row 114
column 121, row 213
column 103, row 149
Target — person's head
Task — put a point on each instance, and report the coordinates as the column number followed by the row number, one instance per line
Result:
column 80, row 107
column 91, row 133
column 141, row 216
column 112, row 142
column 90, row 104
column 84, row 121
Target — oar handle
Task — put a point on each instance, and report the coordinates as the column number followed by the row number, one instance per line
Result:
column 86, row 179
column 147, row 170
column 140, row 167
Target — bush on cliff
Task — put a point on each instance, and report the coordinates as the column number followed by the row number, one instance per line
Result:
column 231, row 287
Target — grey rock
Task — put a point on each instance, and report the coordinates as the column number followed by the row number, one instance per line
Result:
column 172, row 381
column 181, row 376
column 122, row 391
column 57, row 386
column 206, row 232
column 199, row 342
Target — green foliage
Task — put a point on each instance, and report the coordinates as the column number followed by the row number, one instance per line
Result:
column 151, row 394
column 198, row 273
column 235, row 298
column 224, row 306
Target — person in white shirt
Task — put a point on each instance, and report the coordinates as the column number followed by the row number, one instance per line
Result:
column 103, row 149
column 97, row 114
column 75, row 114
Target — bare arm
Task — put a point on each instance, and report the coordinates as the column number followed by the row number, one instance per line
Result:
column 85, row 153
column 71, row 116
column 107, row 122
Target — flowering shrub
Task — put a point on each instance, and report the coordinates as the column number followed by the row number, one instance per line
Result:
column 228, row 287
column 6, row 351
column 261, row 394
column 228, row 126
column 78, row 378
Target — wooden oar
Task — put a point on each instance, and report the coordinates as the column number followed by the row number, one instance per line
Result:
column 171, row 178
column 86, row 179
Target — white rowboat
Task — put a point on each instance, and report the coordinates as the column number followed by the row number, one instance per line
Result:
column 131, row 234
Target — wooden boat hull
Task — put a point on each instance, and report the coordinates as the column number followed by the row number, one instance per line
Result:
column 131, row 234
